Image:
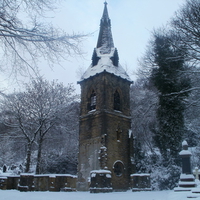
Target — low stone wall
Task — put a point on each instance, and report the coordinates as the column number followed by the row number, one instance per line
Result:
column 44, row 182
column 3, row 183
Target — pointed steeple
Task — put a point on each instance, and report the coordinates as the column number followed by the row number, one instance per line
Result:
column 105, row 40
column 105, row 57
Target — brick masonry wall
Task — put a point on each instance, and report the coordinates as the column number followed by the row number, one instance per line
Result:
column 105, row 127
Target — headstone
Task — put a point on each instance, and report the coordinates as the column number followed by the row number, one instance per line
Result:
column 185, row 154
column 13, row 167
column 4, row 168
column 187, row 180
column 21, row 169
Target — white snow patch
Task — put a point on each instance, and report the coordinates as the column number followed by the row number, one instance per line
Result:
column 144, row 174
column 105, row 64
column 186, row 176
column 130, row 133
column 186, row 183
column 185, row 152
column 184, row 143
column 100, row 171
column 147, row 195
column 118, row 161
column 108, row 176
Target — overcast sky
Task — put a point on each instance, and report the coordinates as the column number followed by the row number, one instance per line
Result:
column 132, row 22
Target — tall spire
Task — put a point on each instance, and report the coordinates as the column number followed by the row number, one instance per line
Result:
column 105, row 40
column 105, row 56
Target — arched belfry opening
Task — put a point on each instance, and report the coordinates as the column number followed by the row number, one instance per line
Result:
column 105, row 121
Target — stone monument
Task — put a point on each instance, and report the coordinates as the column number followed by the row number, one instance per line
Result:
column 187, row 180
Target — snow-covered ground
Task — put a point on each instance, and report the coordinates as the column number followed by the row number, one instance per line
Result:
column 153, row 195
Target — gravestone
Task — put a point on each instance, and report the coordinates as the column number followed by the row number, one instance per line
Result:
column 187, row 180
column 185, row 155
column 4, row 168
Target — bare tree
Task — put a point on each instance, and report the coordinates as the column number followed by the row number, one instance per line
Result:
column 25, row 38
column 186, row 28
column 35, row 111
column 144, row 102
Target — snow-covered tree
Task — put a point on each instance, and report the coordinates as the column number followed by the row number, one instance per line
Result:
column 34, row 112
column 144, row 100
column 173, row 85
column 61, row 155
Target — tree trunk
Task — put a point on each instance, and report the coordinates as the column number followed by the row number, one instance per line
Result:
column 28, row 157
column 39, row 155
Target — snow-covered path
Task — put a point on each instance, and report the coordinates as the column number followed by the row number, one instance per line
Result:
column 153, row 195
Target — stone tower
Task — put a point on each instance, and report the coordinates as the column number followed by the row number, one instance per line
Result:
column 105, row 139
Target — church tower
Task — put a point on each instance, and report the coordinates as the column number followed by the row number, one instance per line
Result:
column 105, row 121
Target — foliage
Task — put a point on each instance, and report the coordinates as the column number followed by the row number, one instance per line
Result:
column 172, row 86
column 165, row 178
column 60, row 165
column 37, row 110
column 143, row 103
column 168, row 53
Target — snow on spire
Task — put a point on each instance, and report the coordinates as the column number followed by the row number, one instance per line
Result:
column 105, row 56
column 105, row 40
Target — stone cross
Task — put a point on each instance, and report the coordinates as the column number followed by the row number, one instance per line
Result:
column 196, row 172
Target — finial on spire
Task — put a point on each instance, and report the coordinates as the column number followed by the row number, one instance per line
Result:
column 105, row 40
column 105, row 12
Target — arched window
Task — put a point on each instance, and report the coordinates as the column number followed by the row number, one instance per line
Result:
column 116, row 101
column 93, row 100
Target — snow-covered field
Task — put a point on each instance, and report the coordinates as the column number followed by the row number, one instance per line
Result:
column 153, row 195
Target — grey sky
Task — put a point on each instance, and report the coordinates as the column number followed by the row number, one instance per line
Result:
column 132, row 22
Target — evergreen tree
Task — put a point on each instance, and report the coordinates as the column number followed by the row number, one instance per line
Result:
column 172, row 85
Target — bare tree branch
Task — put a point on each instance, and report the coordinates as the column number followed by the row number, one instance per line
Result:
column 25, row 39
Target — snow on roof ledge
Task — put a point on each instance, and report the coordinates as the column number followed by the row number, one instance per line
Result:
column 105, row 64
column 100, row 171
